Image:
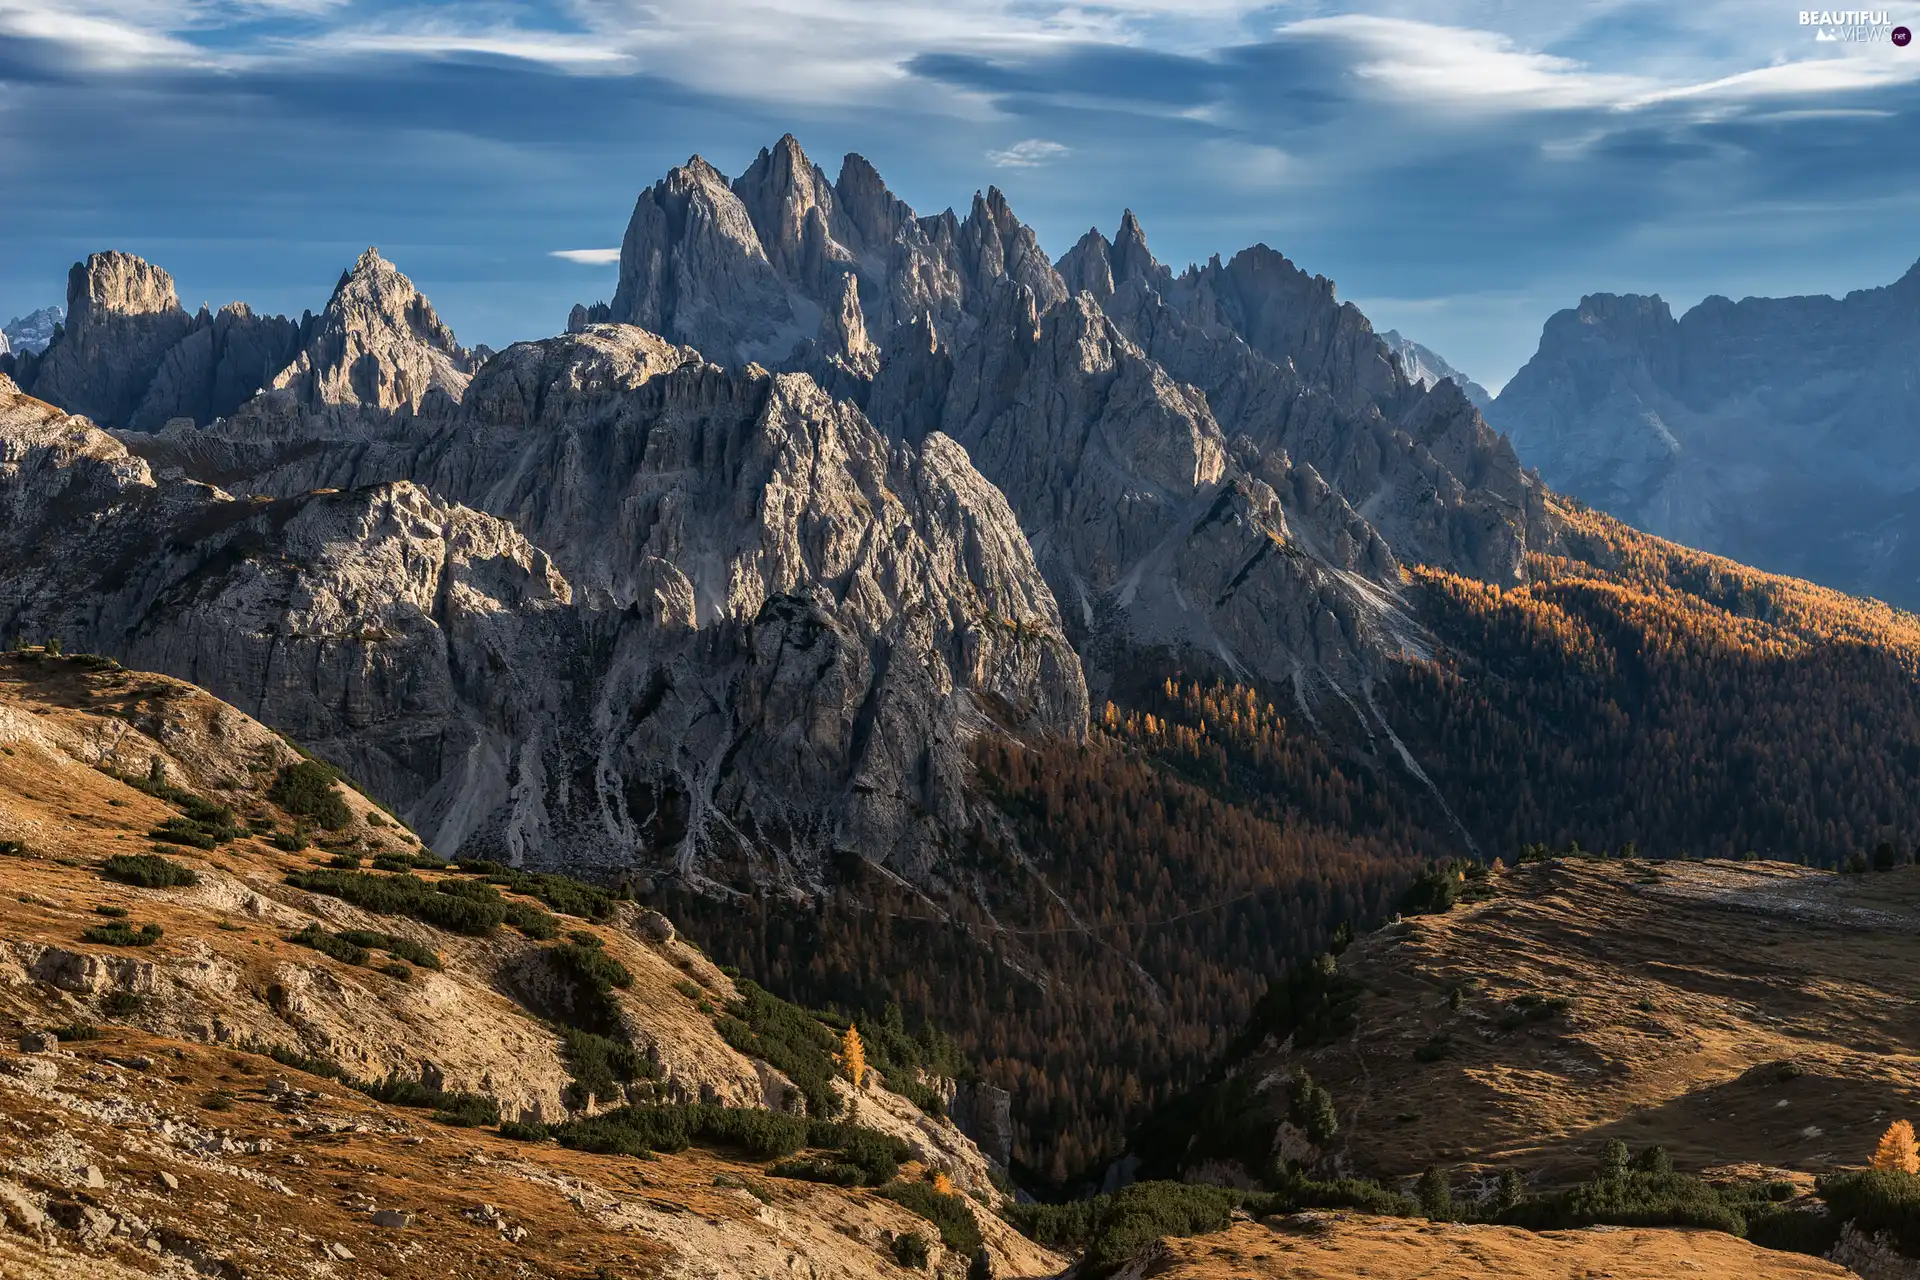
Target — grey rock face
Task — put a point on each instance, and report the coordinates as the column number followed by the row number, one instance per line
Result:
column 762, row 625
column 626, row 596
column 1778, row 431
column 378, row 345
column 1426, row 366
column 130, row 356
column 122, row 317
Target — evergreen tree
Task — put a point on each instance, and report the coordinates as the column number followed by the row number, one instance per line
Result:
column 1613, row 1159
column 1653, row 1160
column 981, row 1268
column 1507, row 1192
column 1435, row 1194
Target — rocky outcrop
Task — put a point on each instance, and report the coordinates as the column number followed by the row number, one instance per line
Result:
column 130, row 356
column 1777, row 431
column 1872, row 1256
column 781, row 628
column 1426, row 366
column 378, row 345
column 122, row 318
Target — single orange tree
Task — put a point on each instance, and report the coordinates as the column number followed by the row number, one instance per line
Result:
column 943, row 1184
column 1897, row 1149
column 853, row 1057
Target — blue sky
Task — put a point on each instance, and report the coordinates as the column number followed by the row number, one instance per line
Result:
column 1461, row 168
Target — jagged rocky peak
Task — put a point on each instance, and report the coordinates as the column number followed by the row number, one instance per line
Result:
column 1100, row 266
column 790, row 204
column 1427, row 367
column 117, row 284
column 755, row 270
column 378, row 345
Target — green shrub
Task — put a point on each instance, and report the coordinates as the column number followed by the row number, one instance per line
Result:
column 306, row 788
column 293, row 1058
column 1434, row 1048
column 911, row 1251
column 290, row 841
column 394, row 945
column 1142, row 1213
column 123, row 1005
column 111, row 912
column 397, row 971
column 1631, row 1199
column 345, row 861
column 599, row 1066
column 147, row 871
column 467, row 1110
column 1293, row 1192
column 1434, row 892
column 877, row 1155
column 122, row 934
column 76, row 1031
column 1877, row 1200
column 816, row 1169
column 959, row 1230
column 532, row 921
column 524, row 1131
column 1435, row 1193
column 403, row 895
column 331, row 945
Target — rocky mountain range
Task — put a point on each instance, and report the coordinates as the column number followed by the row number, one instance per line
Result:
column 1778, row 431
column 952, row 474
column 31, row 332
column 1059, row 648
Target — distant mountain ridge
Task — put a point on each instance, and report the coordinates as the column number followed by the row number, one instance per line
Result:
column 1426, row 367
column 31, row 332
column 1778, row 431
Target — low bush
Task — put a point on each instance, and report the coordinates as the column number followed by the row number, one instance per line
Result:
column 404, row 895
column 1529, row 1009
column 466, row 1110
column 816, row 1169
column 397, row 971
column 122, row 934
column 959, row 1229
column 394, row 945
column 600, row 1066
column 125, row 1004
column 147, row 871
column 306, row 789
column 1877, row 1200
column 289, row 841
column 331, row 945
column 795, row 1042
column 524, row 1131
column 76, row 1031
column 911, row 1251
column 111, row 912
column 530, row 920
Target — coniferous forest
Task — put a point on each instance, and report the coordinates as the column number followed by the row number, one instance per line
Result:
column 1125, row 900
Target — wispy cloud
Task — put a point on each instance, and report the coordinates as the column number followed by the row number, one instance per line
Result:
column 588, row 257
column 1029, row 153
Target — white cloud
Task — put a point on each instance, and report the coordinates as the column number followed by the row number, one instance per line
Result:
column 1029, row 153
column 437, row 40
column 1467, row 69
column 589, row 257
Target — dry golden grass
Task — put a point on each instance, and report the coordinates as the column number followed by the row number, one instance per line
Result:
column 1757, row 1014
column 1344, row 1247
